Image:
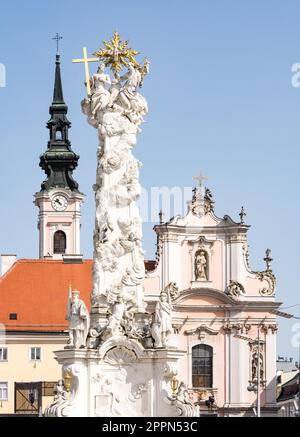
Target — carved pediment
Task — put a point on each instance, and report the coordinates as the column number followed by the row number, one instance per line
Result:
column 120, row 355
column 212, row 295
column 202, row 331
column 202, row 242
column 116, row 348
column 227, row 221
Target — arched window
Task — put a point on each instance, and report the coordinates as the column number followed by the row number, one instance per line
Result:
column 60, row 242
column 58, row 135
column 202, row 366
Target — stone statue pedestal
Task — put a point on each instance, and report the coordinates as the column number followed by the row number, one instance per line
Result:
column 120, row 379
column 201, row 284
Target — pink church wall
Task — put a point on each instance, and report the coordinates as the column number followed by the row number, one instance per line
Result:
column 217, row 265
column 186, row 265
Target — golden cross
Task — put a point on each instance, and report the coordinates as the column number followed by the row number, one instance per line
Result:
column 200, row 179
column 86, row 61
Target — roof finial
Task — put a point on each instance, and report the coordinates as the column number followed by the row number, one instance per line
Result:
column 161, row 214
column 268, row 259
column 242, row 214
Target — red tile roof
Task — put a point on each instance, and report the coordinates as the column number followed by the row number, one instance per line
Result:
column 37, row 291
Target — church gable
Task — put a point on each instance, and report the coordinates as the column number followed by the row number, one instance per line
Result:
column 201, row 251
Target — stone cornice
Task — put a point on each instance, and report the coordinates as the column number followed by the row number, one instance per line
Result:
column 227, row 303
column 205, row 230
column 207, row 292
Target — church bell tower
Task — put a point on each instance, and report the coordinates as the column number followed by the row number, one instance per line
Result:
column 59, row 200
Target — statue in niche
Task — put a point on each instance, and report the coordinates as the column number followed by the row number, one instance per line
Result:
column 255, row 366
column 162, row 323
column 201, row 266
column 79, row 319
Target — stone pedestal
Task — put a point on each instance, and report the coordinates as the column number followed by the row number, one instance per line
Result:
column 120, row 379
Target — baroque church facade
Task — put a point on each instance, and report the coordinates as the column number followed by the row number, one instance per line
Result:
column 224, row 318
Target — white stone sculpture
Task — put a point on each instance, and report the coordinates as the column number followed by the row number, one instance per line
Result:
column 119, row 374
column 100, row 95
column 116, row 110
column 162, row 323
column 60, row 393
column 114, row 321
column 185, row 406
column 79, row 319
column 59, row 400
column 200, row 266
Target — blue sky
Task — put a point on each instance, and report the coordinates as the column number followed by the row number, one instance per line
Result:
column 220, row 99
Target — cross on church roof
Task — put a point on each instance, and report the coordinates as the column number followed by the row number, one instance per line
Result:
column 57, row 38
column 200, row 178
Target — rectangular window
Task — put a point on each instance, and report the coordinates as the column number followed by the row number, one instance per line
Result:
column 3, row 353
column 3, row 391
column 35, row 353
column 13, row 316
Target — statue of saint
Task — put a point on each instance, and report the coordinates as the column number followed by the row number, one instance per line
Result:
column 79, row 319
column 133, row 103
column 162, row 323
column 114, row 321
column 100, row 95
column 255, row 366
column 200, row 266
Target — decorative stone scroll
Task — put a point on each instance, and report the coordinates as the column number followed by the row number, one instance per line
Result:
column 235, row 289
column 270, row 278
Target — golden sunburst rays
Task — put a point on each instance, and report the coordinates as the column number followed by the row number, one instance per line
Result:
column 116, row 54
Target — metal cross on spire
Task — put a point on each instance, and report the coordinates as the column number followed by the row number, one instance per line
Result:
column 57, row 38
column 200, row 178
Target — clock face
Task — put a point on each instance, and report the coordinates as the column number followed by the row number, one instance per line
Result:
column 59, row 203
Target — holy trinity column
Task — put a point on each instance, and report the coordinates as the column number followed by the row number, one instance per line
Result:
column 116, row 109
column 126, row 366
